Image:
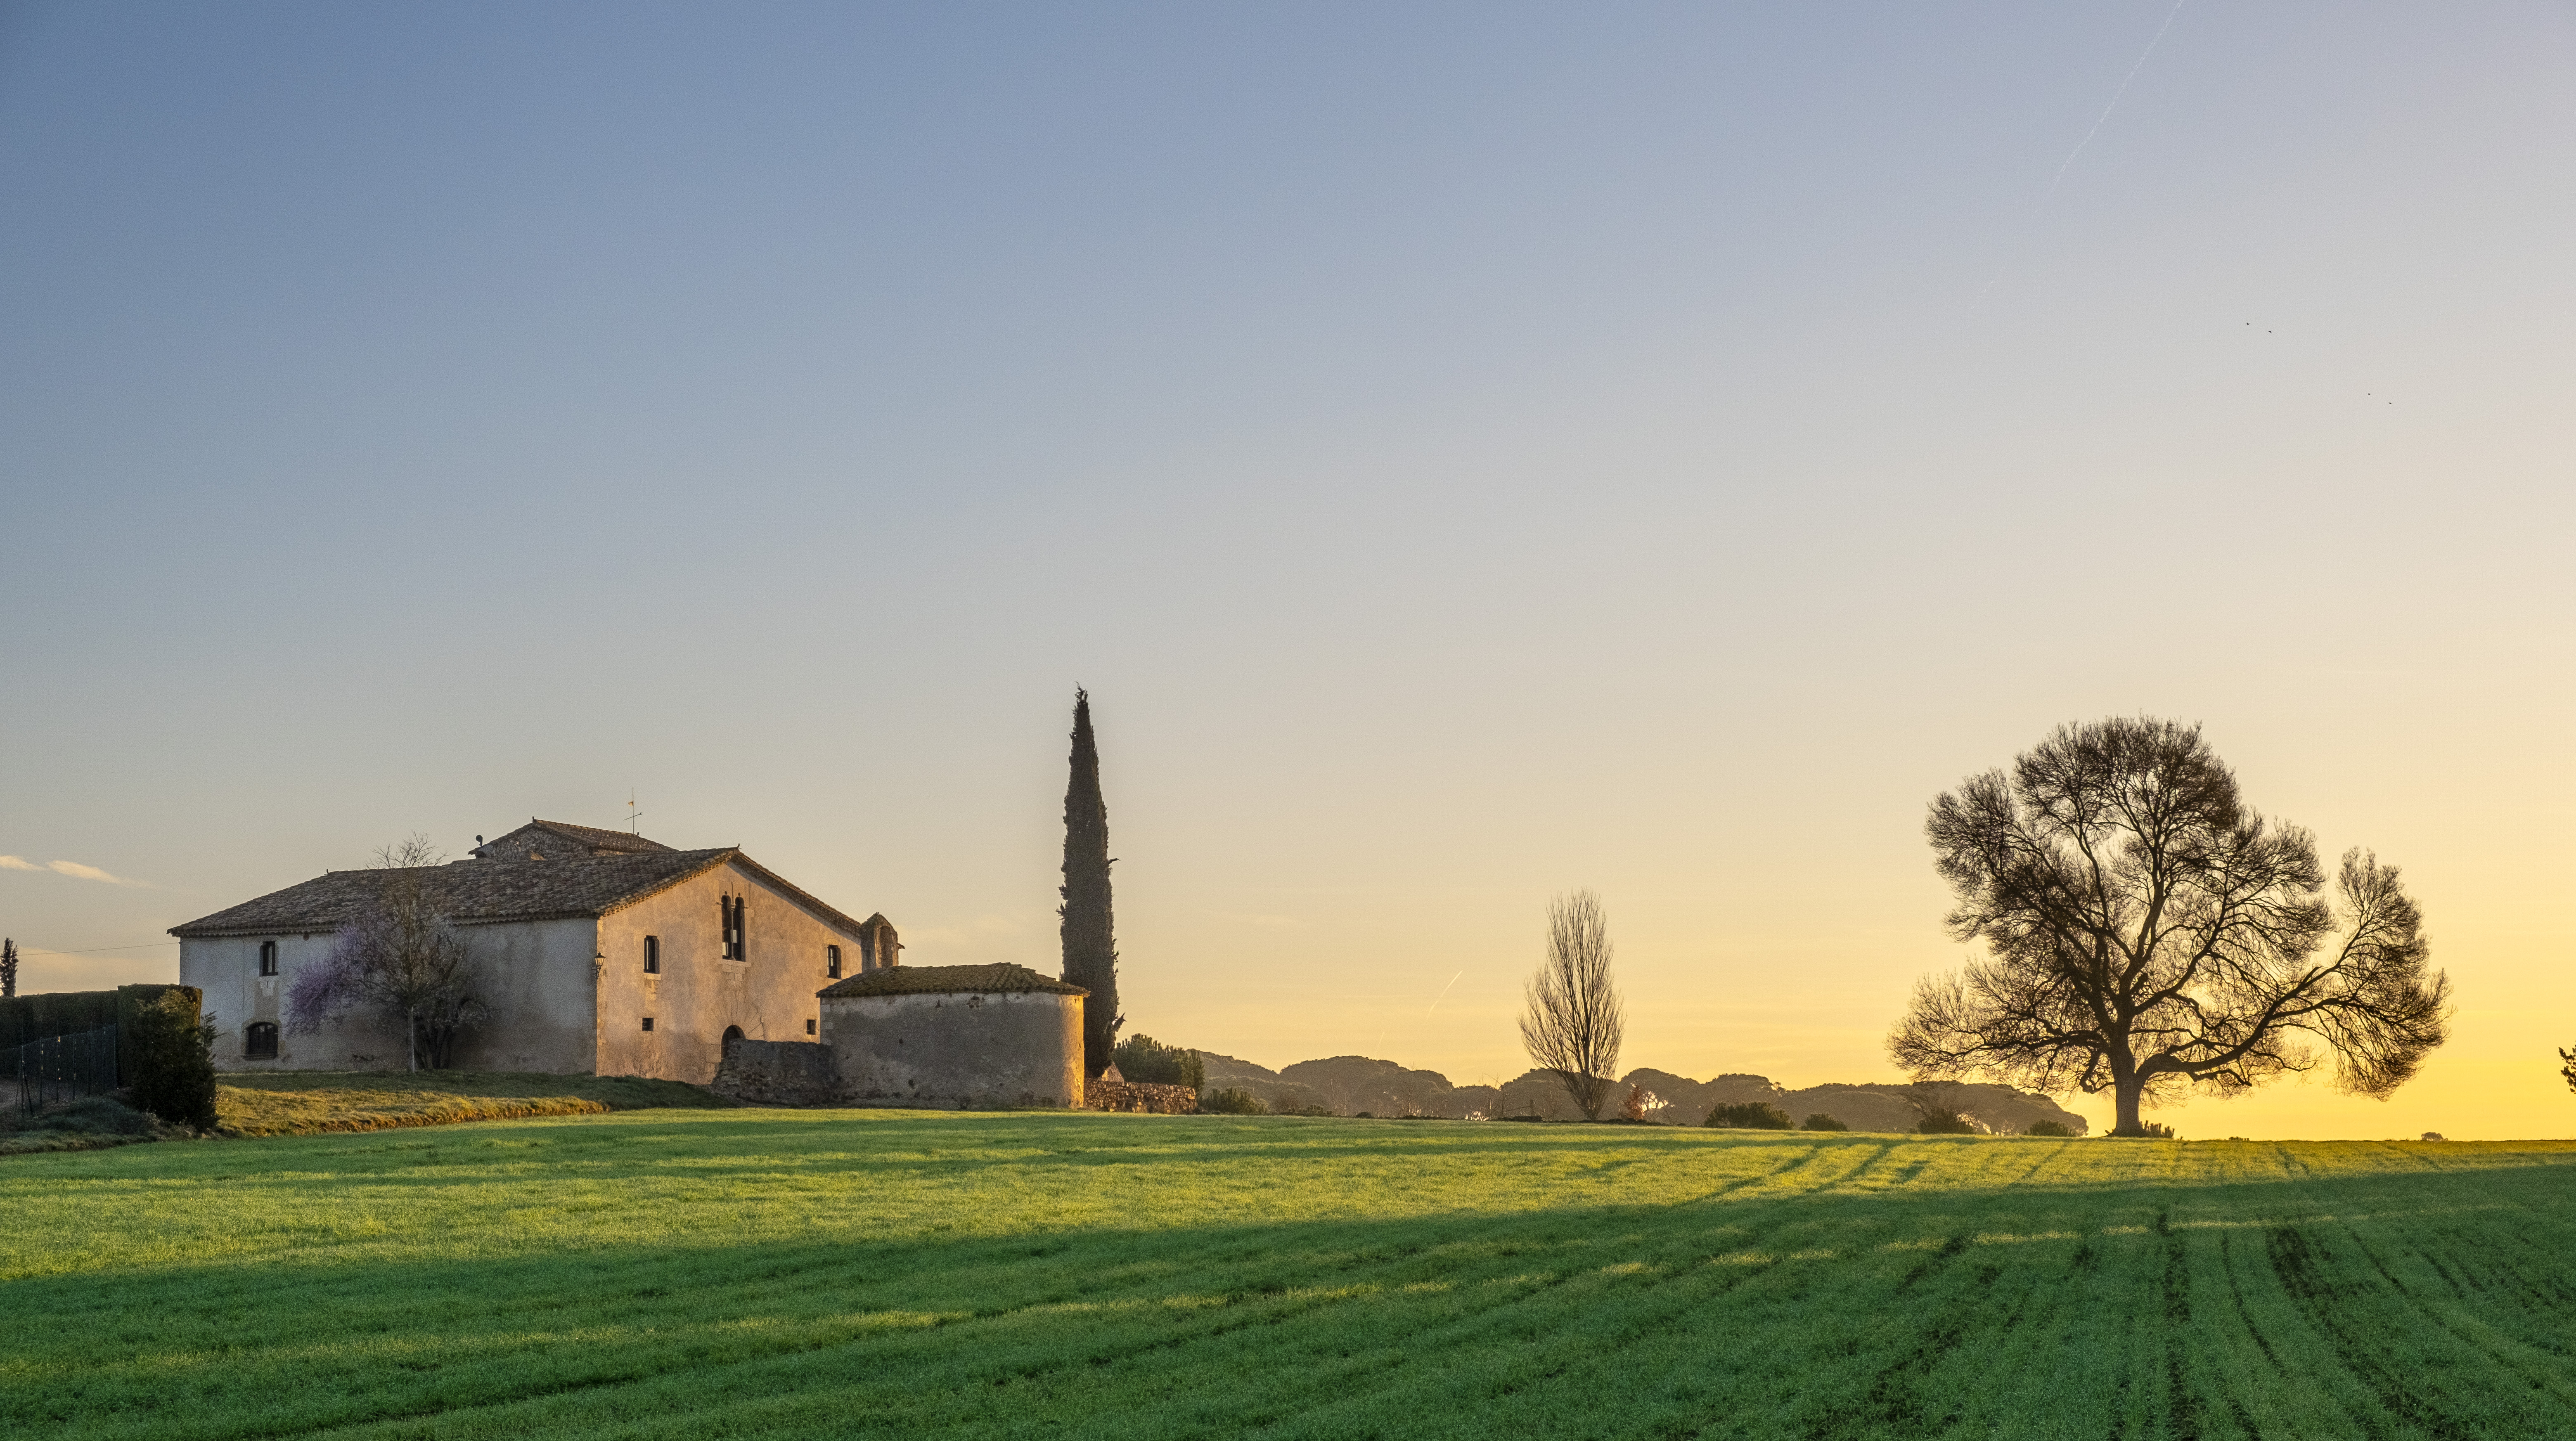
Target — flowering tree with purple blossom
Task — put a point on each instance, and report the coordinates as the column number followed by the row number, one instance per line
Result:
column 398, row 957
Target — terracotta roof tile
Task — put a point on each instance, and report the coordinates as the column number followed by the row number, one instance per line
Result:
column 467, row 892
column 931, row 980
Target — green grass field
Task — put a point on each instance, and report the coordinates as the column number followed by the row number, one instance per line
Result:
column 689, row 1274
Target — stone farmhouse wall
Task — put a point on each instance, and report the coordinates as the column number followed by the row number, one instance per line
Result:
column 926, row 1046
column 536, row 975
column 951, row 1050
column 698, row 994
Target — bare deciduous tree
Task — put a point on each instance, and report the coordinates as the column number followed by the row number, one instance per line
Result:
column 2147, row 932
column 2569, row 1068
column 1575, row 1022
column 400, row 957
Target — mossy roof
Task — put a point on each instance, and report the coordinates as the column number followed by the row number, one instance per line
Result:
column 931, row 980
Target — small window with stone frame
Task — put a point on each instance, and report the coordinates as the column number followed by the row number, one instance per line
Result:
column 832, row 962
column 259, row 1041
column 652, row 958
column 268, row 960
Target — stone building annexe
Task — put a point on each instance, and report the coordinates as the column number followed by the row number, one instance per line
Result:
column 598, row 951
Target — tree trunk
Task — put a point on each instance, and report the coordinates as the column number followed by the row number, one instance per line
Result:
column 411, row 1033
column 2125, row 1091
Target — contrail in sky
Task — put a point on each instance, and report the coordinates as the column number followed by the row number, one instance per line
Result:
column 2115, row 96
column 1444, row 995
column 2170, row 16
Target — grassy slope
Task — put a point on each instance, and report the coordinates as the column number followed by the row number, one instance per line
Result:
column 289, row 1103
column 747, row 1273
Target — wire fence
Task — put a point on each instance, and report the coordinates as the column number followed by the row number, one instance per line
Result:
column 57, row 1068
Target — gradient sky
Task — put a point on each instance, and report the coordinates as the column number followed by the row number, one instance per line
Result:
column 1468, row 451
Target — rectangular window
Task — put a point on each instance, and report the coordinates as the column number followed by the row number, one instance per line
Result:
column 832, row 961
column 259, row 1042
column 809, row 1025
column 652, row 959
column 648, row 1023
column 268, row 961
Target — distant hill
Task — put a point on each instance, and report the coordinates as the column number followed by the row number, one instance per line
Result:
column 1356, row 1085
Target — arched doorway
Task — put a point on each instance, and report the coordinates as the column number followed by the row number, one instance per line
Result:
column 731, row 1035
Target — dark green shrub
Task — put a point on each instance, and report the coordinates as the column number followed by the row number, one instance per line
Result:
column 96, row 1116
column 1148, row 1062
column 2049, row 1128
column 1748, row 1116
column 1233, row 1101
column 169, row 1058
column 1942, row 1121
column 1822, row 1122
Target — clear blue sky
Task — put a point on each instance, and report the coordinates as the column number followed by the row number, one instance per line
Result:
column 1468, row 451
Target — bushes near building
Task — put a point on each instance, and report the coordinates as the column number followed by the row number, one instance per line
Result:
column 1748, row 1116
column 1148, row 1062
column 1819, row 1121
column 169, row 1059
column 1233, row 1101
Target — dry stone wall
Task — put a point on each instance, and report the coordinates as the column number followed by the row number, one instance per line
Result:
column 1139, row 1097
column 778, row 1073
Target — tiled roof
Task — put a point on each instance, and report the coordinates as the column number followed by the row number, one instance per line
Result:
column 604, row 839
column 930, row 980
column 484, row 892
column 557, row 839
column 467, row 892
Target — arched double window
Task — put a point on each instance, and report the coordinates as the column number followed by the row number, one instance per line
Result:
column 259, row 1040
column 737, row 946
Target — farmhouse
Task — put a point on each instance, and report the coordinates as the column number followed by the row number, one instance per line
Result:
column 596, row 950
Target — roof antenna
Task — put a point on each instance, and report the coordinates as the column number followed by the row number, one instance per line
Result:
column 634, row 817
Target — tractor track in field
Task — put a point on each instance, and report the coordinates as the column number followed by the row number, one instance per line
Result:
column 2497, row 1353
column 1893, row 1405
column 2182, row 1408
column 2295, row 1263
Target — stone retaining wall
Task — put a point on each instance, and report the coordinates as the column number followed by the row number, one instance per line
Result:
column 777, row 1073
column 1136, row 1096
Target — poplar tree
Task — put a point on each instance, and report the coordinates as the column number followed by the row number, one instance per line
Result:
column 1090, row 942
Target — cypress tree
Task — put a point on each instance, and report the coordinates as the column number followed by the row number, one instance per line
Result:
column 1090, row 942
